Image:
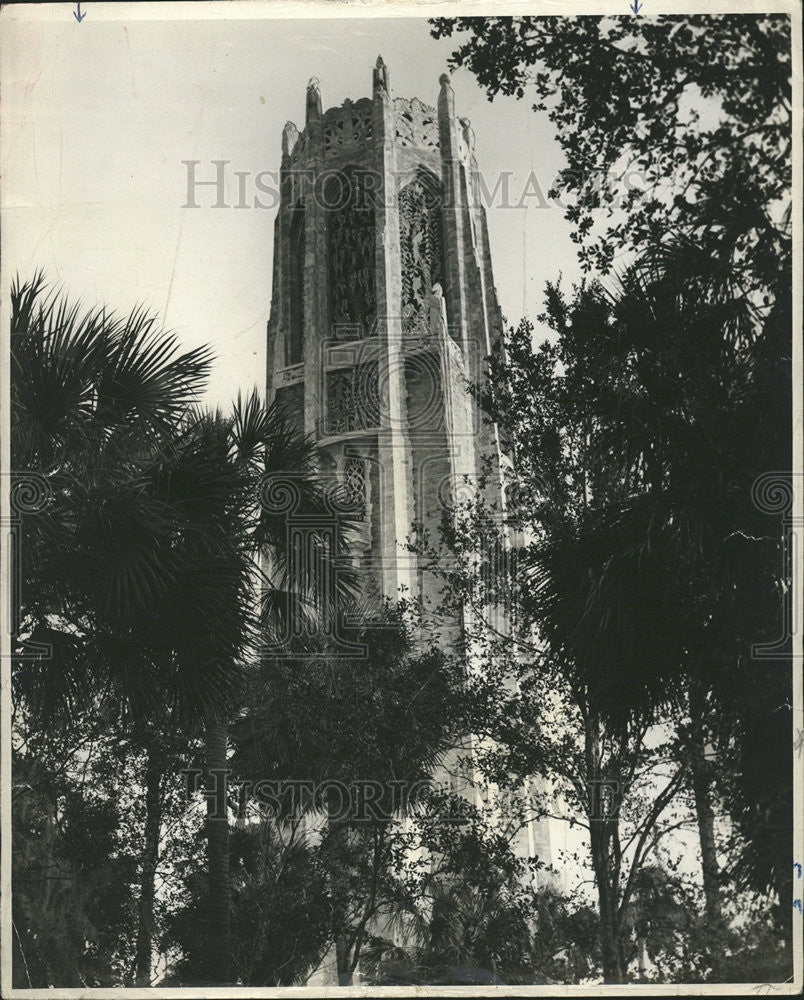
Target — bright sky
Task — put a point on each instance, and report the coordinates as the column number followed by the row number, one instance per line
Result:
column 98, row 117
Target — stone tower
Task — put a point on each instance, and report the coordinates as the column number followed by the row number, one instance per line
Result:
column 383, row 307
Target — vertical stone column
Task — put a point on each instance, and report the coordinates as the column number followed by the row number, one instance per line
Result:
column 484, row 308
column 453, row 215
column 461, row 408
column 393, row 443
column 280, row 306
column 273, row 342
column 316, row 262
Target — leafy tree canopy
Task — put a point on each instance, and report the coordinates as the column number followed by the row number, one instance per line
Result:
column 681, row 122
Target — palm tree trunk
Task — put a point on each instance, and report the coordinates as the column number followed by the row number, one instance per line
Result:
column 644, row 963
column 220, row 888
column 338, row 878
column 700, row 773
column 600, row 844
column 342, row 960
column 702, row 790
column 611, row 954
column 150, row 858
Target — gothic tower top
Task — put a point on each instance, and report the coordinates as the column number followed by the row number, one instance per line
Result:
column 352, row 129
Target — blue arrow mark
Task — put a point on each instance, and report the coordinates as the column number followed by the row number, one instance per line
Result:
column 80, row 17
column 636, row 6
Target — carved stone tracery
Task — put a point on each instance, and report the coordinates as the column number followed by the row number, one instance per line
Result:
column 351, row 248
column 354, row 481
column 420, row 245
column 416, row 123
column 353, row 399
column 348, row 127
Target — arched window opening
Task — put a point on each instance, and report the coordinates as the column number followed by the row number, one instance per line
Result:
column 295, row 342
column 420, row 245
column 349, row 199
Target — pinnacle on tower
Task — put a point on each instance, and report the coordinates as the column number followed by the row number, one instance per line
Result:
column 468, row 134
column 382, row 80
column 313, row 99
column 446, row 99
column 290, row 136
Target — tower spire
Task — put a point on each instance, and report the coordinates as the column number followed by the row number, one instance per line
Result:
column 468, row 134
column 382, row 80
column 313, row 99
column 290, row 136
column 446, row 99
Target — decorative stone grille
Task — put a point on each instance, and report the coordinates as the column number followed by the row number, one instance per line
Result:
column 351, row 248
column 354, row 478
column 416, row 123
column 353, row 402
column 420, row 247
column 348, row 127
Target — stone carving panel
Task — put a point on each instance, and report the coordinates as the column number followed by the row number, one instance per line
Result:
column 354, row 481
column 353, row 400
column 350, row 245
column 416, row 124
column 421, row 251
column 290, row 375
column 348, row 127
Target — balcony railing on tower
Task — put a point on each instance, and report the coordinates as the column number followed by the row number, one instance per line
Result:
column 353, row 402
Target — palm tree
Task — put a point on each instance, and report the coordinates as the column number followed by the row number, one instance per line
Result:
column 144, row 574
column 656, row 913
column 95, row 403
column 93, row 399
column 690, row 320
column 639, row 433
column 260, row 579
column 455, row 934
